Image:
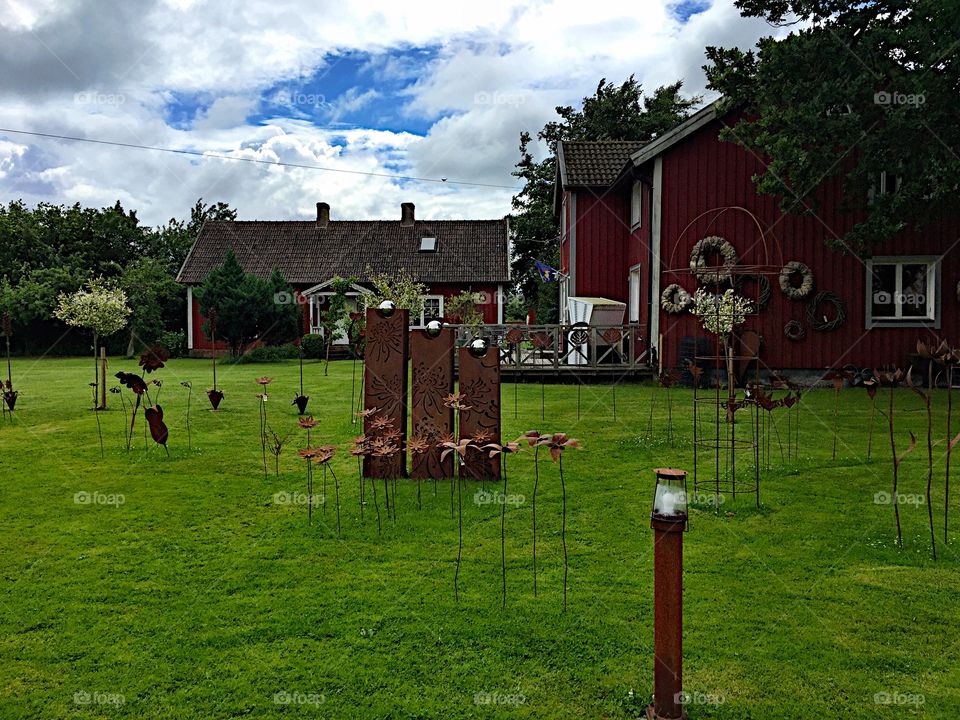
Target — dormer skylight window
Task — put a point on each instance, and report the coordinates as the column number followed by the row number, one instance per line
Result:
column 428, row 244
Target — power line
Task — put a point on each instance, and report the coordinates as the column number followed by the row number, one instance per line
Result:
column 198, row 153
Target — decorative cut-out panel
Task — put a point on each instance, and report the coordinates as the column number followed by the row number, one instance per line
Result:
column 480, row 387
column 385, row 388
column 432, row 380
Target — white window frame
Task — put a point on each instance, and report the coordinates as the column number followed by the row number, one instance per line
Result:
column 884, row 183
column 932, row 318
column 421, row 321
column 564, row 295
column 636, row 205
column 634, row 286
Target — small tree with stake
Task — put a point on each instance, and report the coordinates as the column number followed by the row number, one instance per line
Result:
column 99, row 308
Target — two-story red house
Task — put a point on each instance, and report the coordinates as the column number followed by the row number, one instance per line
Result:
column 448, row 256
column 632, row 215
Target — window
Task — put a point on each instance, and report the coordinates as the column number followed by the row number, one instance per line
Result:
column 634, row 295
column 885, row 182
column 428, row 244
column 902, row 291
column 636, row 205
column 432, row 310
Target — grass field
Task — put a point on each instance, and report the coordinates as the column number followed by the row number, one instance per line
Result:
column 201, row 595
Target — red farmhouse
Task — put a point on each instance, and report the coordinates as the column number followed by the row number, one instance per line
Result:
column 633, row 213
column 448, row 256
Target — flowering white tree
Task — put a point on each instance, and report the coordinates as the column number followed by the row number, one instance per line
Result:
column 100, row 308
column 720, row 314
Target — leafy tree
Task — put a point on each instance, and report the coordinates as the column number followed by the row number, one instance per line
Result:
column 859, row 89
column 100, row 308
column 613, row 112
column 402, row 289
column 154, row 295
column 334, row 315
column 465, row 308
column 171, row 242
column 283, row 316
column 228, row 291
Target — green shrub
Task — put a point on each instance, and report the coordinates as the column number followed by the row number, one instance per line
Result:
column 175, row 341
column 312, row 345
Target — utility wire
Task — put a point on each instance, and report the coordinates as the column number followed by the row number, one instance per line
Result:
column 198, row 153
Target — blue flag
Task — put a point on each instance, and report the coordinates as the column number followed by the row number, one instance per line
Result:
column 547, row 273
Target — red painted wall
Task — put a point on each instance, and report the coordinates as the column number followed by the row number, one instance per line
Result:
column 602, row 240
column 702, row 173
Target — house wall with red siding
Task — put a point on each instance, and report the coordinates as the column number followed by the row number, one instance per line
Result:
column 701, row 174
column 602, row 240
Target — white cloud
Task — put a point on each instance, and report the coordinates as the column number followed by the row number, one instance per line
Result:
column 498, row 67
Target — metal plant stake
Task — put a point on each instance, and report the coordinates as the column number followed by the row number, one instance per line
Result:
column 926, row 397
column 503, row 450
column 213, row 394
column 9, row 394
column 301, row 400
column 189, row 386
column 891, row 378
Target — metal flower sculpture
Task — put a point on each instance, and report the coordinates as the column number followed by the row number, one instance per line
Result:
column 890, row 378
column 323, row 458
column 557, row 443
column 152, row 359
column 503, row 450
column 309, row 454
column 461, row 448
column 361, row 450
column 138, row 386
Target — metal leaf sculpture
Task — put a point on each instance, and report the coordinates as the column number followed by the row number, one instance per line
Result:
column 213, row 394
column 9, row 394
column 301, row 400
column 154, row 358
column 158, row 429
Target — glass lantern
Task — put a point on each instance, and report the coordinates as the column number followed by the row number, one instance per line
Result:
column 670, row 496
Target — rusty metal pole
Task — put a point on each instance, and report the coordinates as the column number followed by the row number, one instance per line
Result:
column 103, row 378
column 667, row 621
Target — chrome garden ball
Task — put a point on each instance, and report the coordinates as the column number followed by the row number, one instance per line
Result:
column 387, row 307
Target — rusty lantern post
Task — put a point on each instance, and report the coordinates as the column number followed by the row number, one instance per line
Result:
column 669, row 521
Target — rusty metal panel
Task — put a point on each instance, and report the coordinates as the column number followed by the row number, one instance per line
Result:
column 432, row 380
column 480, row 387
column 385, row 388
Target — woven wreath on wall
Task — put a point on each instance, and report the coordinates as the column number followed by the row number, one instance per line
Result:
column 794, row 292
column 820, row 322
column 794, row 330
column 764, row 290
column 699, row 256
column 675, row 300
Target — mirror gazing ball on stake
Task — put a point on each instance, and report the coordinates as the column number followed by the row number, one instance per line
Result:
column 434, row 327
column 478, row 347
column 387, row 307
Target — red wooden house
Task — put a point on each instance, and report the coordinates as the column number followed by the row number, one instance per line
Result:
column 632, row 215
column 448, row 256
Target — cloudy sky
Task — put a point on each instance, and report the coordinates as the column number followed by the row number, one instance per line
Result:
column 390, row 88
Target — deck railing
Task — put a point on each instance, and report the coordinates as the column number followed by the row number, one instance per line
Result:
column 539, row 348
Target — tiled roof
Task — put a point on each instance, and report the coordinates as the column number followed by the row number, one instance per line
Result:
column 468, row 251
column 593, row 163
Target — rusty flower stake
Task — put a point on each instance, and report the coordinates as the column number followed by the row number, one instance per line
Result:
column 189, row 386
column 668, row 519
column 323, row 458
column 461, row 449
column 360, row 450
column 891, row 378
column 532, row 438
column 870, row 383
column 503, row 450
column 837, row 378
column 309, row 454
column 557, row 443
column 927, row 397
column 152, row 359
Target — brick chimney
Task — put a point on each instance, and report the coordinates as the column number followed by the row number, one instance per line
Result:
column 406, row 214
column 323, row 214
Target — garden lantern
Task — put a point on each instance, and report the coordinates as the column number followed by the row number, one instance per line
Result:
column 668, row 518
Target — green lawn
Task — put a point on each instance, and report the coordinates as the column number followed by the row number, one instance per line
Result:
column 200, row 596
